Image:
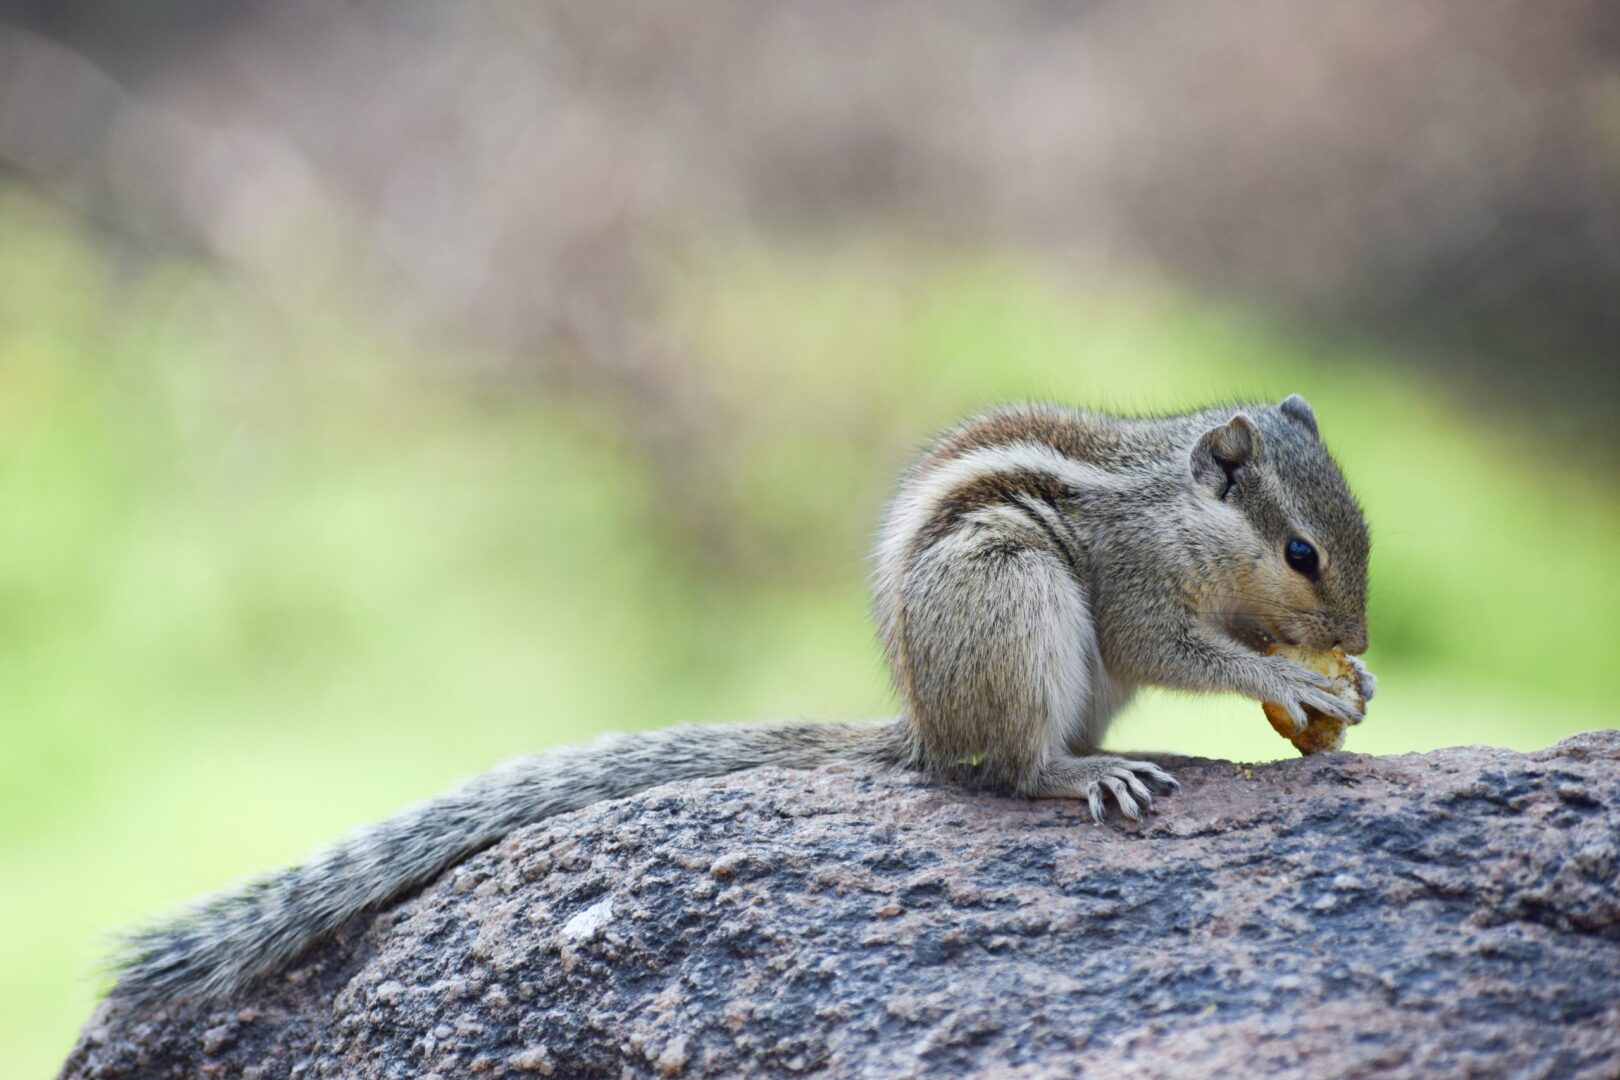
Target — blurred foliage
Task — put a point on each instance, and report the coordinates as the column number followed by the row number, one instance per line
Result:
column 270, row 568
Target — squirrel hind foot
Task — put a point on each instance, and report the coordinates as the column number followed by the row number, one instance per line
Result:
column 1132, row 785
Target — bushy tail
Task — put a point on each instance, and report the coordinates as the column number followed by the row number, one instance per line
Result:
column 224, row 942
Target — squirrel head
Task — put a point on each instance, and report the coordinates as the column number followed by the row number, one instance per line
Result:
column 1292, row 559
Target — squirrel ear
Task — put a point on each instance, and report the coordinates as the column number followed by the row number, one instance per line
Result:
column 1220, row 450
column 1299, row 411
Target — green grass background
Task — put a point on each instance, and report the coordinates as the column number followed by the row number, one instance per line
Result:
column 272, row 565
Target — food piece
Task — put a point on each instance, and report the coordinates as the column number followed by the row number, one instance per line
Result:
column 1322, row 732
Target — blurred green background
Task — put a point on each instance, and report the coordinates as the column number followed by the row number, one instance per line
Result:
column 477, row 382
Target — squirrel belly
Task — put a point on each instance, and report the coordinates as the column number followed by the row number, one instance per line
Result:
column 1035, row 566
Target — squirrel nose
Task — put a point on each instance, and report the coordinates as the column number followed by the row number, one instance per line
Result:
column 1354, row 640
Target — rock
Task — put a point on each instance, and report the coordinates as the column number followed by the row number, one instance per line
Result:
column 1442, row 914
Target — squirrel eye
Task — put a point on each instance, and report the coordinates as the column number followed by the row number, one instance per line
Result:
column 1301, row 556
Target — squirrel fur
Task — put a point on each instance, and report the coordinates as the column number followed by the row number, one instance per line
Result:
column 1035, row 566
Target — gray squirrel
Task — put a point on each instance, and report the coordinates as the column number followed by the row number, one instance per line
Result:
column 1033, row 568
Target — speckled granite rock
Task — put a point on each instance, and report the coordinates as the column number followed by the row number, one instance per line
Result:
column 1445, row 914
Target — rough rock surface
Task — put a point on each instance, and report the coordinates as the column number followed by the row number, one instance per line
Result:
column 1444, row 914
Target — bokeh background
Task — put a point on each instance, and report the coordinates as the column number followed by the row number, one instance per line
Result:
column 390, row 387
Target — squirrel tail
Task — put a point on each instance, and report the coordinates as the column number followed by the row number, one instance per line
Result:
column 225, row 942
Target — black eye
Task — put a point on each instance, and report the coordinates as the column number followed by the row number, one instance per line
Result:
column 1301, row 557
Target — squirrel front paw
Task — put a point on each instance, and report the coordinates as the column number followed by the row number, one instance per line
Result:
column 1295, row 687
column 1366, row 681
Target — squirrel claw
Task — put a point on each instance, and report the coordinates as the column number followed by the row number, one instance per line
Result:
column 1131, row 785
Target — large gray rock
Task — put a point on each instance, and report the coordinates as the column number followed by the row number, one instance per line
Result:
column 1440, row 914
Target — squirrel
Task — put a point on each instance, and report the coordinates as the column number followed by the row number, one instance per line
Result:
column 1035, row 566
